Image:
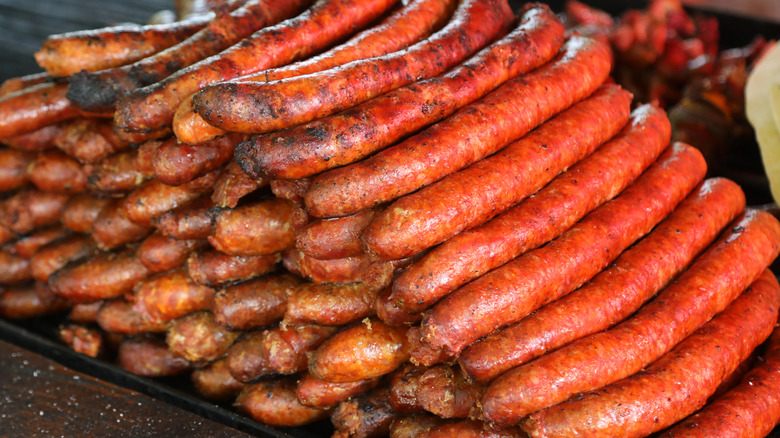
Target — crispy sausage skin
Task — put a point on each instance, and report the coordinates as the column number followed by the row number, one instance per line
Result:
column 34, row 108
column 366, row 415
column 152, row 199
column 152, row 108
column 214, row 382
column 334, row 238
column 89, row 139
column 107, row 275
column 170, row 295
column 509, row 293
column 233, row 184
column 30, row 301
column 31, row 209
column 616, row 292
column 408, row 24
column 675, row 385
column 54, row 171
column 257, row 107
column 273, row 402
column 254, row 303
column 721, row 273
column 149, row 356
column 197, row 338
column 354, row 133
column 322, row 394
column 749, row 409
column 368, row 349
column 118, row 316
column 214, row 268
column 189, row 221
column 177, row 163
column 329, row 304
column 123, row 171
column 66, row 54
column 81, row 211
column 55, row 255
column 111, row 229
column 99, row 91
column 26, row 246
column 13, row 168
column 255, row 229
column 490, row 123
column 337, row 271
column 160, row 253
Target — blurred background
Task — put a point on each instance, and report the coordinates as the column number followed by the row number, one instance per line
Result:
column 24, row 24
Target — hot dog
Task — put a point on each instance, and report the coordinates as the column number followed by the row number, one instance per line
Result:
column 353, row 134
column 324, row 23
column 519, row 104
column 616, row 292
column 441, row 210
column 257, row 107
column 406, row 25
column 511, row 292
column 675, row 385
column 721, row 273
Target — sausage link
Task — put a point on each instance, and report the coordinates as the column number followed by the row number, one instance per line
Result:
column 13, row 168
column 14, row 269
column 367, row 415
column 12, row 85
column 475, row 131
column 99, row 91
column 34, row 108
column 721, row 273
column 290, row 189
column 565, row 200
column 507, row 294
column 233, row 184
column 66, row 54
column 355, row 133
column 55, row 255
column 197, row 338
column 257, row 107
column 107, row 275
column 254, row 303
column 322, row 394
column 31, row 209
column 472, row 429
column 420, row 220
column 170, row 295
column 214, row 382
column 55, row 171
column 30, row 301
column 81, row 211
column 112, row 230
column 213, row 268
column 414, row 426
column 408, row 24
column 89, row 139
column 38, row 140
column 675, row 385
column 149, row 356
column 27, row 246
column 85, row 313
column 118, row 316
column 618, row 291
column 334, row 238
column 337, row 271
column 254, row 229
column 83, row 339
column 751, row 408
column 152, row 199
column 122, row 172
column 447, row 392
column 189, row 221
column 329, row 304
column 160, row 253
column 273, row 402
column 368, row 349
column 327, row 21
column 177, row 163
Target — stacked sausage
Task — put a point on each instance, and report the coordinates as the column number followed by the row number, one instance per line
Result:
column 430, row 218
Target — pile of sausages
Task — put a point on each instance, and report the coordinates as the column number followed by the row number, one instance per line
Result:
column 415, row 219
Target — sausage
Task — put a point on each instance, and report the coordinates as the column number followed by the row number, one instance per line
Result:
column 197, row 338
column 404, row 388
column 749, row 409
column 453, row 204
column 104, row 276
column 152, row 199
column 111, row 229
column 257, row 107
column 17, row 83
column 366, row 415
column 6, row 235
column 414, row 426
column 170, row 295
column 254, row 303
column 85, row 313
column 618, row 291
column 123, row 171
column 329, row 304
column 422, row 352
column 213, row 268
column 89, row 139
column 177, row 163
column 290, row 189
column 675, row 385
column 55, row 171
column 354, row 133
column 273, row 402
column 717, row 276
column 440, row 149
column 337, row 271
column 322, row 24
column 472, row 429
column 149, row 356
column 322, row 394
column 15, row 268
column 379, row 275
column 282, row 350
column 35, row 107
column 189, row 221
column 563, row 201
column 160, row 253
column 55, row 255
column 254, row 229
column 368, row 349
column 31, row 209
column 334, row 238
column 30, row 301
column 40, row 139
column 82, row 339
column 27, row 246
column 118, row 316
column 511, row 292
column 81, row 211
column 99, row 91
column 214, row 382
column 13, row 168
column 233, row 184
column 66, row 54
column 448, row 392
column 408, row 24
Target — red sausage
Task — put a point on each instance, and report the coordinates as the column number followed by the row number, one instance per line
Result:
column 704, row 289
column 254, row 303
column 334, row 238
